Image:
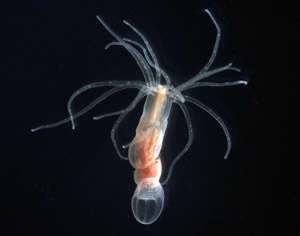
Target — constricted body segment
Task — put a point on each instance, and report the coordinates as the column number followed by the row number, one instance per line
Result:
column 151, row 171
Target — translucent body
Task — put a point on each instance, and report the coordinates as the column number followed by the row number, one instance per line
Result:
column 150, row 131
column 148, row 200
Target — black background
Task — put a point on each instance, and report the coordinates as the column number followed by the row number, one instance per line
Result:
column 64, row 182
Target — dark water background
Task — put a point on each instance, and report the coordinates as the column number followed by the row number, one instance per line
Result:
column 64, row 182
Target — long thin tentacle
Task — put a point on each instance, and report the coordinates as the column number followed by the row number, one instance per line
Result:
column 217, row 118
column 127, row 84
column 204, row 75
column 115, row 128
column 217, row 84
column 135, row 54
column 115, row 113
column 217, row 42
column 157, row 68
column 84, row 110
column 163, row 73
column 145, row 68
column 189, row 142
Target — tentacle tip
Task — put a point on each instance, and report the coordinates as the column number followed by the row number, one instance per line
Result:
column 126, row 146
column 33, row 130
column 233, row 68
